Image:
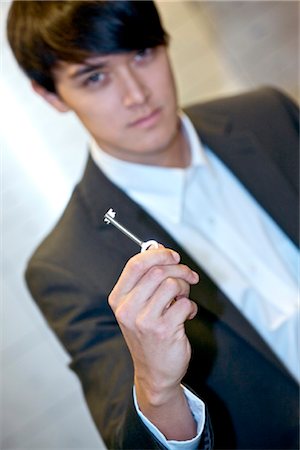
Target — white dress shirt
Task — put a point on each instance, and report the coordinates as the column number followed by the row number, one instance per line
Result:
column 212, row 216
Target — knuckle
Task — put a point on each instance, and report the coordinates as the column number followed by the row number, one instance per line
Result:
column 111, row 300
column 172, row 284
column 156, row 273
column 161, row 332
column 155, row 329
column 143, row 325
column 186, row 271
column 123, row 314
column 135, row 264
column 194, row 308
column 185, row 305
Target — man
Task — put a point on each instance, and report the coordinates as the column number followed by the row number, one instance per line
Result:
column 224, row 207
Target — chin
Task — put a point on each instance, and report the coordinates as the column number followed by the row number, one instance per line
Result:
column 166, row 138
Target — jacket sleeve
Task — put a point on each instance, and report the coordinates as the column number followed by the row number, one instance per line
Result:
column 86, row 326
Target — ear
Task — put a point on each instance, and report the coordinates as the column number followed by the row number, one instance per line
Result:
column 50, row 97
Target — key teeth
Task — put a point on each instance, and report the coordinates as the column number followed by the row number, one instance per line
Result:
column 110, row 213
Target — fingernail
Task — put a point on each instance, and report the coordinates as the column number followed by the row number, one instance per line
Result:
column 196, row 276
column 176, row 256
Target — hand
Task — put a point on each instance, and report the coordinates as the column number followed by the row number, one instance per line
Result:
column 151, row 304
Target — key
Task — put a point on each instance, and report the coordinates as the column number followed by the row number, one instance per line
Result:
column 109, row 217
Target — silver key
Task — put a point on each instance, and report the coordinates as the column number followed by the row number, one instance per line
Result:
column 109, row 217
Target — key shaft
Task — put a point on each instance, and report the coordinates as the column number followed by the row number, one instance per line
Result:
column 109, row 219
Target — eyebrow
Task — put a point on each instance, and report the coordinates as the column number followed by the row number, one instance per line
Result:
column 87, row 69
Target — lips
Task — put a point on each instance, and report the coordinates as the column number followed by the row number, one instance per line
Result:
column 147, row 120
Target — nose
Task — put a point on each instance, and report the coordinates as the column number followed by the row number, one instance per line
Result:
column 135, row 92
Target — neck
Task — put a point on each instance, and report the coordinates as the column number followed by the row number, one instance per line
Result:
column 178, row 152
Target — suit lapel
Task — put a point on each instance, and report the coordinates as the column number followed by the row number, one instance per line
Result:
column 252, row 165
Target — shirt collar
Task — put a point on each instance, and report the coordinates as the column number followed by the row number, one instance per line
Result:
column 157, row 189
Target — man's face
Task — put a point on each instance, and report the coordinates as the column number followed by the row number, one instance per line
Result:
column 126, row 101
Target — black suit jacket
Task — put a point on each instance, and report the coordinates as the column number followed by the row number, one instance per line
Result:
column 251, row 399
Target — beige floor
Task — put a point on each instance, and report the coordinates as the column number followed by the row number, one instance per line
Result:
column 218, row 48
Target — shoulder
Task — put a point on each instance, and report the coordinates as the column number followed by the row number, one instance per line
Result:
column 265, row 99
column 73, row 247
column 267, row 113
column 267, row 117
column 262, row 111
column 79, row 246
column 74, row 231
column 57, row 247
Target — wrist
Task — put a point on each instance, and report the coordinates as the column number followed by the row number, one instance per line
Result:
column 168, row 411
column 157, row 395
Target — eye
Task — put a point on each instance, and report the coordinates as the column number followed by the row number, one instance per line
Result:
column 144, row 54
column 96, row 78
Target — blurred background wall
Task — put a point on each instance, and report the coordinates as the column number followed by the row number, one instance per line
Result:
column 217, row 48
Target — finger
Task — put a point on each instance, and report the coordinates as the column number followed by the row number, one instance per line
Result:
column 138, row 265
column 181, row 310
column 167, row 291
column 161, row 280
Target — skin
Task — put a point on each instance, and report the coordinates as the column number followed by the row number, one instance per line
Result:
column 151, row 304
column 128, row 104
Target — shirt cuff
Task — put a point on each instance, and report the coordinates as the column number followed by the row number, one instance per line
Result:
column 198, row 410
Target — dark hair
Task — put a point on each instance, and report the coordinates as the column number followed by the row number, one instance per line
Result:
column 41, row 33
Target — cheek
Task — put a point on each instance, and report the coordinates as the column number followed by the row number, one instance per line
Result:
column 100, row 112
column 165, row 79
